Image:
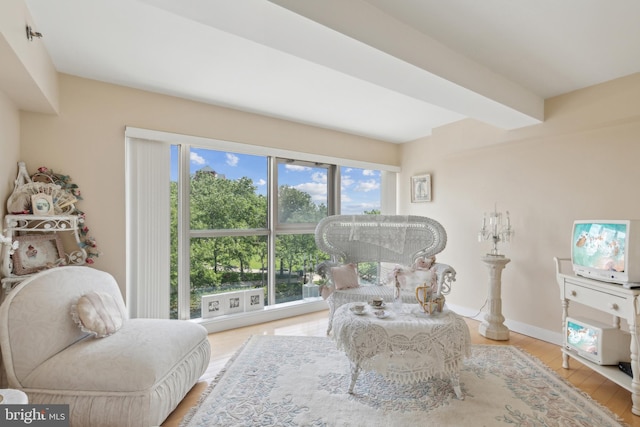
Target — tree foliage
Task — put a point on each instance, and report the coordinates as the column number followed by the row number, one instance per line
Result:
column 221, row 204
column 295, row 206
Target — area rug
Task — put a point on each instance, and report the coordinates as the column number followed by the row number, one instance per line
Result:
column 303, row 381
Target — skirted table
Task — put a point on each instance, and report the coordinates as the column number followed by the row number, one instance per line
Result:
column 407, row 346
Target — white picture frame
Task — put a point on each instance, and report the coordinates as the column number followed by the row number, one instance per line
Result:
column 42, row 204
column 234, row 302
column 37, row 252
column 212, row 305
column 254, row 299
column 421, row 188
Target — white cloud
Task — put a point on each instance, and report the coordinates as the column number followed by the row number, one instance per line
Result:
column 369, row 185
column 197, row 159
column 261, row 182
column 297, row 168
column 232, row 159
column 317, row 191
column 368, row 172
column 347, row 181
column 319, row 177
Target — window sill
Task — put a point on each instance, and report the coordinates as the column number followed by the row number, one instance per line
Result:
column 268, row 314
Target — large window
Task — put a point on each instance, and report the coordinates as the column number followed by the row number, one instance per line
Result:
column 240, row 221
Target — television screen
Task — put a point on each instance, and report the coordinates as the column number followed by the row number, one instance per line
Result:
column 582, row 337
column 600, row 245
column 597, row 342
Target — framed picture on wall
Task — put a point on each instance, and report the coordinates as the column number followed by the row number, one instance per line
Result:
column 421, row 188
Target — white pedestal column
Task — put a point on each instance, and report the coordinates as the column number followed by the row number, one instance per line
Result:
column 493, row 326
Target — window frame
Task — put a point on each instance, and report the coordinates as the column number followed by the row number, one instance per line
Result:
column 388, row 203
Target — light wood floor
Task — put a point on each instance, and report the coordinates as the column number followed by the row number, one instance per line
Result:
column 225, row 344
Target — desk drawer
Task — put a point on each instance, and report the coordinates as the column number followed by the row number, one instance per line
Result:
column 603, row 301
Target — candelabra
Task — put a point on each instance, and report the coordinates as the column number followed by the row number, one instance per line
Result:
column 494, row 229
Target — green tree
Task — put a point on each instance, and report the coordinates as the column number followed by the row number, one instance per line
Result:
column 218, row 203
column 221, row 204
column 295, row 206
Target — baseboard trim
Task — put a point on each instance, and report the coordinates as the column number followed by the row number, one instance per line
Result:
column 552, row 337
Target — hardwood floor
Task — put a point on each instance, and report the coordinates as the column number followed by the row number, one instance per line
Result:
column 225, row 344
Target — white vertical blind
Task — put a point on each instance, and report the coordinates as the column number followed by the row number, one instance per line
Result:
column 148, row 227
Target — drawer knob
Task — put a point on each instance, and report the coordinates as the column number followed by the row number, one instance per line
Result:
column 613, row 306
column 574, row 293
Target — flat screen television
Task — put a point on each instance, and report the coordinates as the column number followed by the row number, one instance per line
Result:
column 597, row 342
column 607, row 250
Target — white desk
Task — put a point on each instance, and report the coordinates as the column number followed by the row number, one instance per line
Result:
column 609, row 298
column 403, row 347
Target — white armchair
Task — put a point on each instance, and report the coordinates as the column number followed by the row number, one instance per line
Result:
column 134, row 377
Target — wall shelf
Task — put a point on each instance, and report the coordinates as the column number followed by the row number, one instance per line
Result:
column 21, row 225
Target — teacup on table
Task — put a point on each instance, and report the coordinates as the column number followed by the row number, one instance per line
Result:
column 359, row 307
column 377, row 302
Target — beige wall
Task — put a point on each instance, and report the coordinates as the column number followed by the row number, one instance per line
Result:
column 86, row 142
column 581, row 163
column 9, row 147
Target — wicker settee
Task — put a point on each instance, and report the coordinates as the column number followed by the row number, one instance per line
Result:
column 388, row 241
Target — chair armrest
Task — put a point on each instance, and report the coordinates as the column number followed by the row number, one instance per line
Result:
column 446, row 275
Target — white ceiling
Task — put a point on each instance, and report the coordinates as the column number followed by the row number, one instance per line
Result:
column 385, row 69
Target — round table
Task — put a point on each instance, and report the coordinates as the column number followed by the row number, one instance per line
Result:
column 11, row 396
column 406, row 346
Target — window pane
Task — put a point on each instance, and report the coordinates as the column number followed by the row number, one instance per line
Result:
column 228, row 191
column 302, row 192
column 360, row 191
column 296, row 259
column 368, row 273
column 225, row 264
column 228, row 195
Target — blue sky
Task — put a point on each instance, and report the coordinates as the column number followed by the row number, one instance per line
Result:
column 360, row 187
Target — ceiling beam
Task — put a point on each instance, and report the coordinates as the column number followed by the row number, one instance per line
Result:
column 414, row 64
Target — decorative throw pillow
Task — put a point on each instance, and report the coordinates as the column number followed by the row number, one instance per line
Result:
column 98, row 313
column 345, row 276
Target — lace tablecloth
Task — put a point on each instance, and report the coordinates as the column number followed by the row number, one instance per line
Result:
column 408, row 346
column 363, row 293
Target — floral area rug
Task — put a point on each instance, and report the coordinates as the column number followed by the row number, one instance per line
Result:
column 303, row 381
